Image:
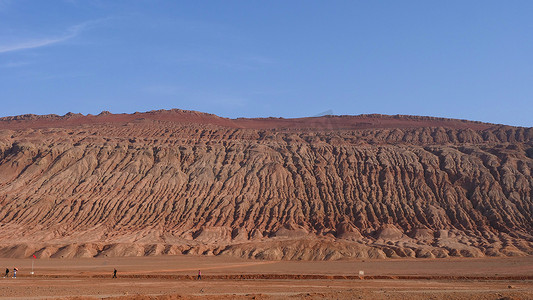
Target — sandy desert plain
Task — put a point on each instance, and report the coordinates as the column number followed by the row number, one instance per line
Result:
column 174, row 277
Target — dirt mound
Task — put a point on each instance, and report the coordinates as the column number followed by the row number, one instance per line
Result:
column 177, row 181
column 210, row 235
column 423, row 234
column 389, row 232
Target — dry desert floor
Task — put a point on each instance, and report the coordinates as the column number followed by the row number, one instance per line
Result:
column 174, row 277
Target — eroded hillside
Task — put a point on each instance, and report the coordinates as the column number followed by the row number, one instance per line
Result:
column 169, row 182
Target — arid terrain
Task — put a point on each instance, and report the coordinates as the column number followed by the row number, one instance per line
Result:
column 174, row 277
column 323, row 188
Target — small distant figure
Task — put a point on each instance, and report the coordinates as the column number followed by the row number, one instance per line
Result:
column 15, row 269
column 7, row 273
column 115, row 273
column 199, row 275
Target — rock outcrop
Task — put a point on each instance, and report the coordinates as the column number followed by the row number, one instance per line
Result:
column 333, row 187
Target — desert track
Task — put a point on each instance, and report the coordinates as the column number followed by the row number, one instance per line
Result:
column 158, row 288
column 174, row 277
column 289, row 277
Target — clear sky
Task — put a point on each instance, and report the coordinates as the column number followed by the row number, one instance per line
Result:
column 459, row 59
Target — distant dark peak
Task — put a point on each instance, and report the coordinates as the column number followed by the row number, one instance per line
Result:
column 29, row 117
column 71, row 115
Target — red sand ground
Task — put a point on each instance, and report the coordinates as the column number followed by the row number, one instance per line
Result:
column 171, row 277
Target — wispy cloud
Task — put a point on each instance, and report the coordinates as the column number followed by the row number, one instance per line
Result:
column 236, row 63
column 70, row 33
column 15, row 64
column 62, row 76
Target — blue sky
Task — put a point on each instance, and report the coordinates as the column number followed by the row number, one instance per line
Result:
column 458, row 59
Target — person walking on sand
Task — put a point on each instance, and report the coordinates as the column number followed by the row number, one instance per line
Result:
column 199, row 275
column 15, row 269
column 7, row 273
column 115, row 273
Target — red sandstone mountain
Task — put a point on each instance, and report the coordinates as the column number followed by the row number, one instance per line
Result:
column 332, row 187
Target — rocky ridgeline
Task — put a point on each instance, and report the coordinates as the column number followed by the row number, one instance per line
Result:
column 173, row 182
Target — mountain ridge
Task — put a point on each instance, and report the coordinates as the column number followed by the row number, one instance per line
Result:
column 179, row 115
column 333, row 187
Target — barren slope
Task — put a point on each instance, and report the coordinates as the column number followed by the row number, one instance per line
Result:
column 168, row 182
